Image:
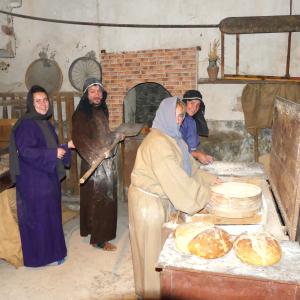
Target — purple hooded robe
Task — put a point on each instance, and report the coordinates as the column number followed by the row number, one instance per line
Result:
column 38, row 189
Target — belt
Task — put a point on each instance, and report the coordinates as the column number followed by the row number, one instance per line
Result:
column 150, row 194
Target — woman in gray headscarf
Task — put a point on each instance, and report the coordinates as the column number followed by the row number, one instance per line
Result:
column 165, row 178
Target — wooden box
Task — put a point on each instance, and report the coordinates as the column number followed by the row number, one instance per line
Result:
column 285, row 163
column 5, row 130
column 5, row 181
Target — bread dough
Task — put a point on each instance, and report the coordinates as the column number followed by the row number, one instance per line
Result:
column 235, row 200
column 237, row 189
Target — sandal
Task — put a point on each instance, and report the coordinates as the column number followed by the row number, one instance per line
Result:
column 106, row 246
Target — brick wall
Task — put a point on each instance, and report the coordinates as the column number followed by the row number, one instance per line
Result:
column 174, row 69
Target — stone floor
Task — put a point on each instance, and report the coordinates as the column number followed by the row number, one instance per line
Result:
column 87, row 273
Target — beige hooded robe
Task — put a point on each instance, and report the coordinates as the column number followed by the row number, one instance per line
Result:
column 159, row 185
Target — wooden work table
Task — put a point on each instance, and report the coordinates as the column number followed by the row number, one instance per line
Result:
column 186, row 276
column 190, row 277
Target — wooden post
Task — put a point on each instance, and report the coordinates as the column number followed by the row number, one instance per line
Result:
column 222, row 54
column 287, row 68
column 256, row 150
column 237, row 53
column 5, row 112
column 73, row 176
column 59, row 119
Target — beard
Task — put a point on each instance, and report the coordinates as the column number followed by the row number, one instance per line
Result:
column 95, row 104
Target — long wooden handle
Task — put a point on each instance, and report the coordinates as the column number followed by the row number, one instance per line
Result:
column 97, row 162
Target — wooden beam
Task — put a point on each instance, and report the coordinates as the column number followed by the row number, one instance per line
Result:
column 266, row 24
column 261, row 77
column 243, row 79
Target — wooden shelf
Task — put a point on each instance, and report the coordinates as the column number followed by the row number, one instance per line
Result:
column 236, row 79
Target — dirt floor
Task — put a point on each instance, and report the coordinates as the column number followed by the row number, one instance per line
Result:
column 87, row 274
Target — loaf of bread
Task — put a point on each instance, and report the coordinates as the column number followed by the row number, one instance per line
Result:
column 259, row 249
column 202, row 239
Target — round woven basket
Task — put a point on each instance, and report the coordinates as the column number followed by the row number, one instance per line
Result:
column 235, row 200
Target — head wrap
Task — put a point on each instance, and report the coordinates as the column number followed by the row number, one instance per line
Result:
column 41, row 120
column 91, row 82
column 165, row 121
column 85, row 105
column 191, row 95
column 202, row 128
column 31, row 113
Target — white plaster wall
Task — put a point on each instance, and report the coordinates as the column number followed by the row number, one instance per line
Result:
column 174, row 12
column 260, row 54
column 62, row 42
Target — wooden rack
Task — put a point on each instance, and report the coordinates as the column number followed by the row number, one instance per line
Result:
column 251, row 25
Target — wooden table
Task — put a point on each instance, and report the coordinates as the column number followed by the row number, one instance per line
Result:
column 189, row 277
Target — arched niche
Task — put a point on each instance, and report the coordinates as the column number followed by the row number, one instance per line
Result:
column 142, row 101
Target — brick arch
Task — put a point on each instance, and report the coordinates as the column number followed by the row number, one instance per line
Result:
column 174, row 69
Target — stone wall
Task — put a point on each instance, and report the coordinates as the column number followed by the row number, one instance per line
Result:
column 230, row 141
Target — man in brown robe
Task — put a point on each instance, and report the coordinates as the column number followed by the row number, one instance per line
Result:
column 98, row 195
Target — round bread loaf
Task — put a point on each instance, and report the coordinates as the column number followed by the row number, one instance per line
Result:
column 202, row 239
column 259, row 249
column 211, row 243
column 186, row 232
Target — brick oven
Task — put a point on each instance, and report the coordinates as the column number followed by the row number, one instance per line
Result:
column 174, row 69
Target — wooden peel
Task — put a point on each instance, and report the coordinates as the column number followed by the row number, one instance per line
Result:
column 127, row 130
column 98, row 161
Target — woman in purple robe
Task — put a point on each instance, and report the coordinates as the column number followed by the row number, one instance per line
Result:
column 37, row 165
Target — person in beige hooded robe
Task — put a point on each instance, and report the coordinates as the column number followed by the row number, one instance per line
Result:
column 165, row 178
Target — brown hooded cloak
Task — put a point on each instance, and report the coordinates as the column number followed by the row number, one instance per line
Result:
column 98, row 195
